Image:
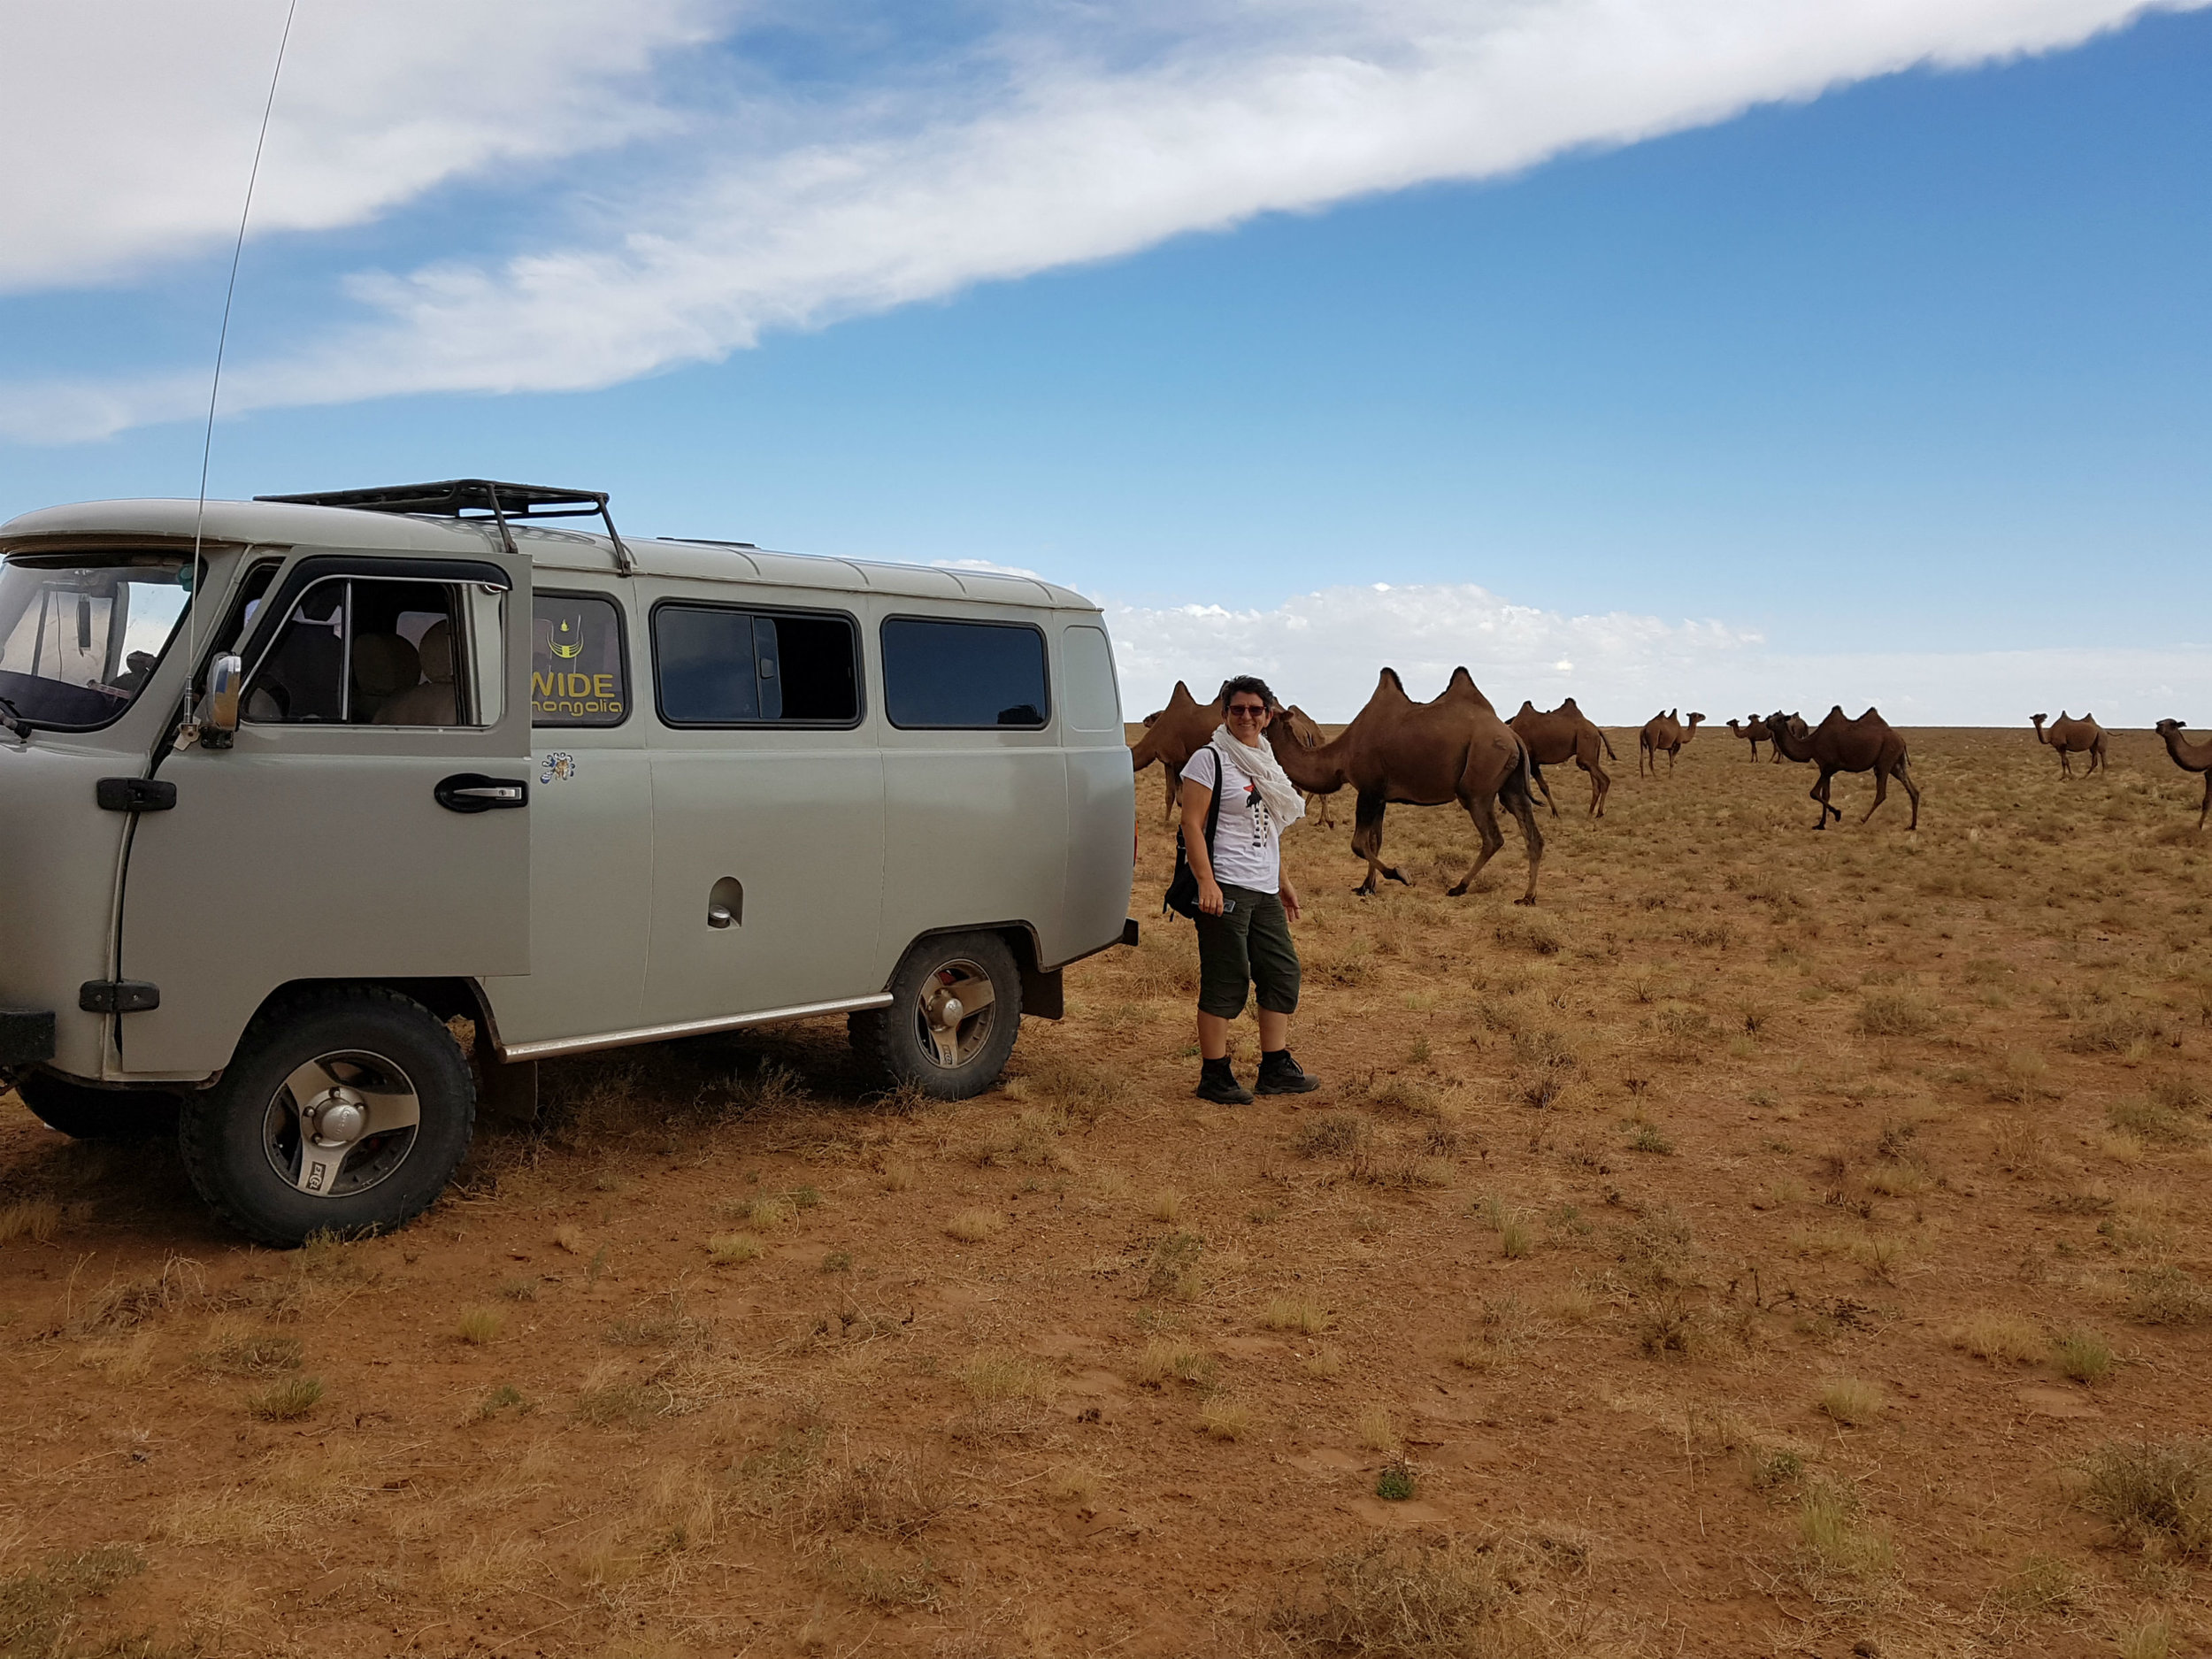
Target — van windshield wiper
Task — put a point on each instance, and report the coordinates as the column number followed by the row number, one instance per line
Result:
column 13, row 719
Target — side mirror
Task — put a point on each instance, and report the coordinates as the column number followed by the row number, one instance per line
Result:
column 219, row 709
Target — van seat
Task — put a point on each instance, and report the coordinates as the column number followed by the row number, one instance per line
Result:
column 384, row 664
column 432, row 702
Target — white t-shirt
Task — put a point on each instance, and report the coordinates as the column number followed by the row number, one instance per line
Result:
column 1248, row 847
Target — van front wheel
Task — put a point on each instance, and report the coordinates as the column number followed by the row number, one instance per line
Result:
column 955, row 1010
column 344, row 1110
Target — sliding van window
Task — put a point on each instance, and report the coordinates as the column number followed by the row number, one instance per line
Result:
column 580, row 672
column 715, row 667
column 963, row 675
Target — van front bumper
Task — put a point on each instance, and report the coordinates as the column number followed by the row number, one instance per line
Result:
column 27, row 1037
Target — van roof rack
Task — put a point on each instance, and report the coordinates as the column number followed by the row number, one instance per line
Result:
column 475, row 497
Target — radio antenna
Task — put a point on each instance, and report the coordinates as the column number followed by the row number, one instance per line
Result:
column 222, row 339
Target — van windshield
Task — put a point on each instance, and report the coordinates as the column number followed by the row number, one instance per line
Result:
column 80, row 635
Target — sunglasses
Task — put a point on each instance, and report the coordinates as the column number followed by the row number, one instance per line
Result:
column 1249, row 710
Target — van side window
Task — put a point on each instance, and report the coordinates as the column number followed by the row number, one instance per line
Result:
column 963, row 675
column 718, row 667
column 580, row 672
column 1089, row 699
column 365, row 651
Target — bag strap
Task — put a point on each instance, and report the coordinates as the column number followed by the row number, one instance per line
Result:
column 1213, row 807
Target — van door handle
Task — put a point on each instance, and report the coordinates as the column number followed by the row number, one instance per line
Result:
column 473, row 792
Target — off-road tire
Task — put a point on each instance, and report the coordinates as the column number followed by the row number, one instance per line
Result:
column 86, row 1113
column 890, row 1041
column 221, row 1133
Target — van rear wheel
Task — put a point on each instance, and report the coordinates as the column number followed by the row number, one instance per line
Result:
column 87, row 1113
column 955, row 1010
column 343, row 1111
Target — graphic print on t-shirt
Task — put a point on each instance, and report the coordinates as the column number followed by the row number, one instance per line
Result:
column 1246, row 852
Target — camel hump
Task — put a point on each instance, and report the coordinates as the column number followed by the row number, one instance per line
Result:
column 1526, row 708
column 1180, row 696
column 1388, row 680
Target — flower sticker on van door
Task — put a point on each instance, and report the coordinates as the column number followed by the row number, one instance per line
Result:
column 560, row 767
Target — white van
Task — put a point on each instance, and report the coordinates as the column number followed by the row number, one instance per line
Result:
column 439, row 757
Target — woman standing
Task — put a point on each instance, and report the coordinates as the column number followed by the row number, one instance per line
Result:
column 1246, row 903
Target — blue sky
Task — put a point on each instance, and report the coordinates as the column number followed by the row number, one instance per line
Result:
column 1897, row 390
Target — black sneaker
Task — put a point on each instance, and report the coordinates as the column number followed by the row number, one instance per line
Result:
column 1280, row 1074
column 1218, row 1083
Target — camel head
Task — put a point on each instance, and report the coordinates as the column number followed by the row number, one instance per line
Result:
column 1152, row 719
column 2036, row 720
column 1695, row 720
column 1734, row 729
column 2166, row 727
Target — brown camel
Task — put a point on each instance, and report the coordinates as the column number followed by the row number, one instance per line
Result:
column 2070, row 738
column 1869, row 743
column 1560, row 735
column 1423, row 754
column 1663, row 732
column 1172, row 735
column 2190, row 757
column 1320, row 808
column 1754, row 732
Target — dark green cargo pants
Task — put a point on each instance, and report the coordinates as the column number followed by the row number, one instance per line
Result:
column 1248, row 946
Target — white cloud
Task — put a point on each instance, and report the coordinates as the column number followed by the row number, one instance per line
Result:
column 984, row 564
column 1038, row 148
column 1323, row 650
column 131, row 123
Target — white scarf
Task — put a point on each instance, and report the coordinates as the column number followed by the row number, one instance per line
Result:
column 1257, row 762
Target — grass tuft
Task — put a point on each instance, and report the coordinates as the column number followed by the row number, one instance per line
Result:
column 286, row 1402
column 1853, row 1403
column 2152, row 1493
column 972, row 1226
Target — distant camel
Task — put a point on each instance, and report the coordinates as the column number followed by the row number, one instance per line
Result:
column 1321, row 809
column 1172, row 735
column 2190, row 757
column 1754, row 732
column 1663, row 732
column 2070, row 738
column 1560, row 735
column 1869, row 743
column 1423, row 754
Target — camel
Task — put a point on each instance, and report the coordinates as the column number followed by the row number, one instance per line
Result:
column 1869, row 743
column 2190, row 757
column 1560, row 735
column 2070, row 738
column 1320, row 808
column 1172, row 735
column 1754, row 732
column 1663, row 732
column 1422, row 754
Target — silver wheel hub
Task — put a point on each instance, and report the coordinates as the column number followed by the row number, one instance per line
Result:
column 956, row 1012
column 340, row 1122
column 336, row 1118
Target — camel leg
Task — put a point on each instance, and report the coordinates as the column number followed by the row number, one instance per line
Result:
column 1174, row 794
column 1367, row 829
column 1904, row 776
column 1881, row 792
column 1480, row 810
column 1600, row 784
column 1531, row 840
column 1538, row 773
column 2207, row 807
column 1819, row 792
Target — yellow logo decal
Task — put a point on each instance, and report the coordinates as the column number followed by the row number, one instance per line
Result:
column 568, row 638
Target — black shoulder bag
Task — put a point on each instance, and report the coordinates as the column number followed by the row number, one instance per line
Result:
column 1182, row 891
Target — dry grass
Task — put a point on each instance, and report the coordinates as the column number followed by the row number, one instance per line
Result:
column 287, row 1401
column 37, row 1219
column 1302, row 1314
column 993, row 1374
column 1852, row 1402
column 1224, row 1418
column 1169, row 1359
column 2002, row 1338
column 973, row 1225
column 1405, row 1600
column 733, row 1249
column 1377, row 1430
column 2152, row 1493
column 479, row 1327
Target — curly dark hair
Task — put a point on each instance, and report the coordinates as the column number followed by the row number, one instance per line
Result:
column 1251, row 685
